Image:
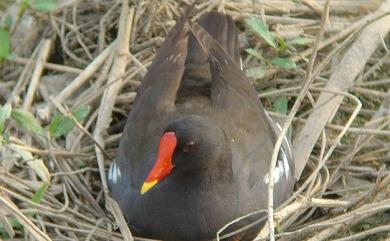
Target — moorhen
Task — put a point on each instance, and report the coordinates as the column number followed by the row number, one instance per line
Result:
column 197, row 144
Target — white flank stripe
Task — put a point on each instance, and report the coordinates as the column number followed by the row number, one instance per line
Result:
column 282, row 167
column 114, row 173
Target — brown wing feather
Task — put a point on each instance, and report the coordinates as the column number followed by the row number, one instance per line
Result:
column 225, row 72
column 167, row 68
column 197, row 76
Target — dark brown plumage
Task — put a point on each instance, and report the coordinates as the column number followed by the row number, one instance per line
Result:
column 200, row 118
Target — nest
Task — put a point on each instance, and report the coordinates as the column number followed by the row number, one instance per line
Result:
column 72, row 65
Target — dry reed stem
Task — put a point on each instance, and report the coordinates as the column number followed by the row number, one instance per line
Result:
column 345, row 32
column 33, row 230
column 21, row 82
column 294, row 110
column 77, row 82
column 341, row 79
column 34, row 82
column 72, row 205
column 121, row 59
column 117, row 70
column 384, row 228
column 55, row 67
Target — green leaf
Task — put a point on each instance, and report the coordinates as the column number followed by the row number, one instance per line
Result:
column 23, row 6
column 261, row 30
column 254, row 53
column 5, row 113
column 280, row 105
column 61, row 125
column 81, row 112
column 27, row 121
column 8, row 21
column 301, row 41
column 55, row 125
column 5, row 44
column 15, row 224
column 282, row 46
column 257, row 72
column 43, row 5
column 37, row 198
column 283, row 63
column 38, row 195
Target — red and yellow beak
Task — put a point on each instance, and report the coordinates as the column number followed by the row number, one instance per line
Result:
column 163, row 165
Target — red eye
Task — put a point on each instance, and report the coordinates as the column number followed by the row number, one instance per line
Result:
column 188, row 146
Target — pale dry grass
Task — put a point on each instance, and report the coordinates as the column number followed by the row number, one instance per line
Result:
column 77, row 56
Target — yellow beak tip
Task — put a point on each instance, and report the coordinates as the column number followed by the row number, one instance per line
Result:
column 147, row 186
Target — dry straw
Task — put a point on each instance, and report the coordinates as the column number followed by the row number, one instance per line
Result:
column 96, row 52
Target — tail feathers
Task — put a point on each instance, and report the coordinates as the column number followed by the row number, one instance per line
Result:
column 222, row 28
column 197, row 75
column 189, row 56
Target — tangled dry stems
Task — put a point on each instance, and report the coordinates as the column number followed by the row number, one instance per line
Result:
column 72, row 58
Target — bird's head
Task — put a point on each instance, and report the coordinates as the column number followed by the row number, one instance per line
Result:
column 188, row 145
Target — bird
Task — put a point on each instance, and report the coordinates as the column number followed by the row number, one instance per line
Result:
column 196, row 148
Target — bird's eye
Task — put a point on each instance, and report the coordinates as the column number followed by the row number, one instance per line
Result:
column 188, row 146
